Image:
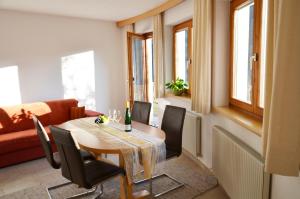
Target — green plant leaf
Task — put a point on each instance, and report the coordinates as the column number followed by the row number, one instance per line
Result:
column 177, row 86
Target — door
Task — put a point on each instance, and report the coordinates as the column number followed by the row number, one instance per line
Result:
column 140, row 64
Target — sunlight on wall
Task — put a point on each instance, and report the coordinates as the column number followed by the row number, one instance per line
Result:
column 9, row 86
column 78, row 76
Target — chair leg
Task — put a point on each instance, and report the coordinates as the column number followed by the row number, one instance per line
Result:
column 91, row 191
column 56, row 187
column 180, row 184
column 77, row 195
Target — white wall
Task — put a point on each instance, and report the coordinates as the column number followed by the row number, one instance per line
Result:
column 36, row 43
column 180, row 13
column 144, row 26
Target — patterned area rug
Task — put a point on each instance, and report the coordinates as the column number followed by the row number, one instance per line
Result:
column 197, row 180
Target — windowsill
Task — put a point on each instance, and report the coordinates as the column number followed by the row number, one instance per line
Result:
column 171, row 99
column 250, row 123
column 182, row 97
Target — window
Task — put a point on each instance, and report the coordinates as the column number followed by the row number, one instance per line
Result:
column 182, row 51
column 78, row 78
column 140, row 63
column 9, row 86
column 246, row 75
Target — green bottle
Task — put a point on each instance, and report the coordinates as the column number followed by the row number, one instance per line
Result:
column 127, row 118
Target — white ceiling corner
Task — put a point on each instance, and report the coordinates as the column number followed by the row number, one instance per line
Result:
column 111, row 10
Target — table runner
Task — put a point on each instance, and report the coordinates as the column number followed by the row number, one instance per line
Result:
column 140, row 150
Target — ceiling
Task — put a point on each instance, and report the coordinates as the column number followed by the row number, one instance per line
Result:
column 111, row 10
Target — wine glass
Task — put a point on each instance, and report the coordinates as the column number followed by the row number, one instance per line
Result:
column 119, row 117
column 110, row 115
column 115, row 115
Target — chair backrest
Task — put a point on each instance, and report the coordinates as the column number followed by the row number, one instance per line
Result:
column 172, row 124
column 72, row 166
column 45, row 141
column 141, row 112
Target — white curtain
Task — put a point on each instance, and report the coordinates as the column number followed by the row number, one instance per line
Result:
column 158, row 56
column 281, row 126
column 125, row 29
column 201, row 58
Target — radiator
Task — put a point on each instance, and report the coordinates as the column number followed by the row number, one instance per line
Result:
column 239, row 169
column 191, row 135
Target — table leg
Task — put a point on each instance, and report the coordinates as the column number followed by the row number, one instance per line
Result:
column 124, row 184
column 127, row 188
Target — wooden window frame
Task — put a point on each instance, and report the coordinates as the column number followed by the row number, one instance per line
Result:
column 144, row 36
column 177, row 28
column 253, row 108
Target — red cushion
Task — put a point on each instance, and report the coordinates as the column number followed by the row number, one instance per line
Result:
column 20, row 140
column 18, row 117
column 77, row 112
column 60, row 110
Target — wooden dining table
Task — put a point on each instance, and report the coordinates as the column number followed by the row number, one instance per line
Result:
column 97, row 147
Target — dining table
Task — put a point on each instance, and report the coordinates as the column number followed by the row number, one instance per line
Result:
column 144, row 145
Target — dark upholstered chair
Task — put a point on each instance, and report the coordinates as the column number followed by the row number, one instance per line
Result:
column 53, row 158
column 46, row 144
column 141, row 112
column 86, row 174
column 172, row 125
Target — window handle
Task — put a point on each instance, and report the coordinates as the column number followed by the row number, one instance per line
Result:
column 252, row 59
column 189, row 61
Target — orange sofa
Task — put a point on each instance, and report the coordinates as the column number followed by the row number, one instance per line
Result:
column 18, row 138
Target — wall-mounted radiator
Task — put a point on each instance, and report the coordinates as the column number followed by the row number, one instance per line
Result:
column 239, row 169
column 191, row 138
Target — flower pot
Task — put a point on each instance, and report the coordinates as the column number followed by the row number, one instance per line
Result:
column 178, row 93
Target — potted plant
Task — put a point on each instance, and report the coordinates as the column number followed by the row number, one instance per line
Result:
column 178, row 86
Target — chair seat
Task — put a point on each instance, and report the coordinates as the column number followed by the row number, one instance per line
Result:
column 171, row 154
column 84, row 154
column 98, row 171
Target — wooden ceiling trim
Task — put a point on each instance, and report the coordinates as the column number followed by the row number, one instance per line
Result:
column 155, row 11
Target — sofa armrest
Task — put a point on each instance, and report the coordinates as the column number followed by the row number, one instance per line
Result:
column 90, row 113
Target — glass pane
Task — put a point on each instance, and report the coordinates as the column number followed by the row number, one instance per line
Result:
column 149, row 55
column 181, row 55
column 138, row 69
column 242, row 51
column 262, row 71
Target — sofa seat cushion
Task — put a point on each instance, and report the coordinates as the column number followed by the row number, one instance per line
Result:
column 20, row 140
